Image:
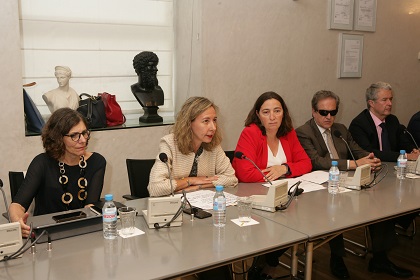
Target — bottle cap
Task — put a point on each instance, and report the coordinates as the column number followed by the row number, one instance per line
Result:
column 219, row 188
column 108, row 197
column 334, row 163
column 402, row 152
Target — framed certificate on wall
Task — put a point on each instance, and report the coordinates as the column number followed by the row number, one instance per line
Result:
column 350, row 55
column 340, row 14
column 365, row 15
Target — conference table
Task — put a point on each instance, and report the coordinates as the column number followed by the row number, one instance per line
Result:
column 320, row 215
column 157, row 254
column 198, row 245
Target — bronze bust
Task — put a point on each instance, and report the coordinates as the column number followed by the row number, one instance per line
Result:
column 147, row 90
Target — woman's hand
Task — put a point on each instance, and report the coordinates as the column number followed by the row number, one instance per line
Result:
column 17, row 214
column 274, row 172
column 195, row 183
column 196, row 188
column 23, row 226
column 202, row 180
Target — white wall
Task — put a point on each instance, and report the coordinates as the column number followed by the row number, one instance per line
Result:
column 244, row 47
column 254, row 46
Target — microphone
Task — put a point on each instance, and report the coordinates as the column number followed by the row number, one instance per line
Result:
column 338, row 135
column 412, row 138
column 5, row 201
column 164, row 158
column 241, row 155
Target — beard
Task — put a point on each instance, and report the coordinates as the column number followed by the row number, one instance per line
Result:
column 148, row 80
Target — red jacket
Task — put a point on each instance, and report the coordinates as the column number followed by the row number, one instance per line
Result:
column 253, row 144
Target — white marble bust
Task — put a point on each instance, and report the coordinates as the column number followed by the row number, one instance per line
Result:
column 64, row 95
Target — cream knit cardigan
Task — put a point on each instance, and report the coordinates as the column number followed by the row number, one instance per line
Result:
column 210, row 163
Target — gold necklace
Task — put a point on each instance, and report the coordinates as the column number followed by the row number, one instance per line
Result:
column 67, row 197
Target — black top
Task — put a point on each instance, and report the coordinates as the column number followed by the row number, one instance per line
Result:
column 41, row 182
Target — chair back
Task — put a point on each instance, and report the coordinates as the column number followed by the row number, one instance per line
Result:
column 138, row 176
column 15, row 180
column 230, row 155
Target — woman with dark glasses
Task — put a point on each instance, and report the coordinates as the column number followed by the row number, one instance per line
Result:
column 66, row 176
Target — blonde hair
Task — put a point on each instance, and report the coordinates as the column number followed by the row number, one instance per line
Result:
column 191, row 109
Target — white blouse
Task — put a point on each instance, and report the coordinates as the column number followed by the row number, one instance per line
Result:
column 279, row 159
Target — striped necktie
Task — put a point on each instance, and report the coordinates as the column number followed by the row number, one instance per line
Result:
column 330, row 144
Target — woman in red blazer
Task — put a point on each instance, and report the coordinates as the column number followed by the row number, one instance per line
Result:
column 270, row 141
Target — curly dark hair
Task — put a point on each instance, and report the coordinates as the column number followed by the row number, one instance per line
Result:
column 59, row 124
column 286, row 124
column 141, row 60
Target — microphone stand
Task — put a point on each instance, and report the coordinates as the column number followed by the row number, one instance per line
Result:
column 240, row 155
column 412, row 138
column 338, row 134
column 170, row 178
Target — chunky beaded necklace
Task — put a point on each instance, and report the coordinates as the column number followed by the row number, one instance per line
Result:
column 67, row 197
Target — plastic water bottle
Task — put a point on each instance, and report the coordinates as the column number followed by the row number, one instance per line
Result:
column 219, row 208
column 401, row 165
column 109, row 218
column 334, row 178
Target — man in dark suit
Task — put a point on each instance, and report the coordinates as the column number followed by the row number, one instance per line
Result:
column 376, row 130
column 314, row 133
column 317, row 137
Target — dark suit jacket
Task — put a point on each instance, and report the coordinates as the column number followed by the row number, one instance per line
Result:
column 414, row 127
column 312, row 141
column 364, row 132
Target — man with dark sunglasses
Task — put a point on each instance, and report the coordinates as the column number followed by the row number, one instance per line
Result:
column 317, row 137
column 321, row 139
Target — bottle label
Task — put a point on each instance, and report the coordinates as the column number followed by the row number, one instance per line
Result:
column 109, row 215
column 219, row 204
column 334, row 177
column 402, row 163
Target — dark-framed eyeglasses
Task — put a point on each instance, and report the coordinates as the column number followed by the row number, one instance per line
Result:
column 76, row 135
column 325, row 113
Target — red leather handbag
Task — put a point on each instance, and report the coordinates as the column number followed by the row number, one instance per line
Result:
column 114, row 115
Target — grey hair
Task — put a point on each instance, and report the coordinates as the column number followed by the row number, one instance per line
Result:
column 323, row 94
column 373, row 89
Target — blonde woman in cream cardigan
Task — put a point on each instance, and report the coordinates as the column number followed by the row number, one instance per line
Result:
column 195, row 157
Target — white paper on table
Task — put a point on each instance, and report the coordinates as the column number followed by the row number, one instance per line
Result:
column 344, row 190
column 245, row 224
column 135, row 233
column 204, row 199
column 317, row 177
column 310, row 187
column 412, row 176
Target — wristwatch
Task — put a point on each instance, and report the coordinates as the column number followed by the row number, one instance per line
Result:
column 288, row 169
